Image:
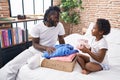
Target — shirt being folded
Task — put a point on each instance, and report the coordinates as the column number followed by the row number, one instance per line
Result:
column 61, row 50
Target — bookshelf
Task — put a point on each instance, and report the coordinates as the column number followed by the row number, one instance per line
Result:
column 9, row 52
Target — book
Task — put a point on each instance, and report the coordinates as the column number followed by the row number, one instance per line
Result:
column 4, row 40
column 16, row 35
column 10, row 36
column 20, row 35
column 13, row 36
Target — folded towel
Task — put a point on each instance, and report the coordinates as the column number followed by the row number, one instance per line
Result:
column 68, row 58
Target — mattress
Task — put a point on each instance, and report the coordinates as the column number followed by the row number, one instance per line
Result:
column 42, row 73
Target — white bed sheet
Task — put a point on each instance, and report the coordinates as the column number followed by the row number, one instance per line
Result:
column 50, row 74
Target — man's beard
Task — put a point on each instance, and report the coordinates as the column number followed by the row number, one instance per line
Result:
column 52, row 23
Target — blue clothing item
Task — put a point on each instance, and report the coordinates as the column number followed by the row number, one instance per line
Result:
column 61, row 50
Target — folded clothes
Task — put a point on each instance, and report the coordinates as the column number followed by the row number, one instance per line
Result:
column 68, row 58
column 61, row 50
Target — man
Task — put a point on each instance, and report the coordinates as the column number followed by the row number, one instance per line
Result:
column 45, row 34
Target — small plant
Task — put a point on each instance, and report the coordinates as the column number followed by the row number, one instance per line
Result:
column 71, row 11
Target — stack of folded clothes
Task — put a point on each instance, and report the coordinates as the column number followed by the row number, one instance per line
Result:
column 63, row 52
column 68, row 58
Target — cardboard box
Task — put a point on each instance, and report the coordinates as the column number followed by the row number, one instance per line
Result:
column 59, row 65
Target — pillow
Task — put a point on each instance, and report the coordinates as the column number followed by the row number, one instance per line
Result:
column 88, row 35
column 88, row 32
column 114, row 36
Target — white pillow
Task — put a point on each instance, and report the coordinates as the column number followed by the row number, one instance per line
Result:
column 88, row 35
column 88, row 32
column 114, row 36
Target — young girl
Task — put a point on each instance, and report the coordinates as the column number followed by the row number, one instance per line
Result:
column 97, row 59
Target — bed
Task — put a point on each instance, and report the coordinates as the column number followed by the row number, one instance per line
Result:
column 42, row 73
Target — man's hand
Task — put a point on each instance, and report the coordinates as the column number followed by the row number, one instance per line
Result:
column 50, row 49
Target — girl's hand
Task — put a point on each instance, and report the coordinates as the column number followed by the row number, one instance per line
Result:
column 84, row 49
column 50, row 49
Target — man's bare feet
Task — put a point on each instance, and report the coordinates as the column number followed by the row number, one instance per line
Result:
column 85, row 72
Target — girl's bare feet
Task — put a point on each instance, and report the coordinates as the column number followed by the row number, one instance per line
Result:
column 85, row 72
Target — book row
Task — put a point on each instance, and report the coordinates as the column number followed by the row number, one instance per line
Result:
column 12, row 36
